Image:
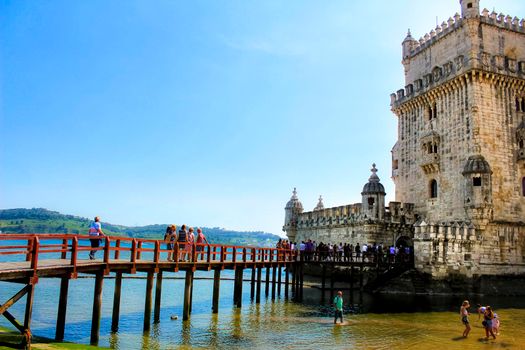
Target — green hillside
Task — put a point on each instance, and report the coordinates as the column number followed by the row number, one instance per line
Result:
column 39, row 220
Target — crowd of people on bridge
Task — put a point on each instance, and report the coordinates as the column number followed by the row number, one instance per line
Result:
column 185, row 238
column 311, row 251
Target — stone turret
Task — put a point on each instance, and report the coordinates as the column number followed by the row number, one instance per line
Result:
column 320, row 205
column 469, row 8
column 293, row 209
column 478, row 188
column 373, row 197
column 408, row 44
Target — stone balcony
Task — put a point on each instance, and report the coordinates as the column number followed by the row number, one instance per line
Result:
column 430, row 163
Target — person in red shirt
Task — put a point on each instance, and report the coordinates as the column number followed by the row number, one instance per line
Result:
column 201, row 240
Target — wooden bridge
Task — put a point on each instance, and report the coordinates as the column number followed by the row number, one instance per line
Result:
column 65, row 256
column 24, row 258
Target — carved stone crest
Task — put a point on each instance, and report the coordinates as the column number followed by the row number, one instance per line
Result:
column 485, row 59
column 459, row 62
column 447, row 68
column 436, row 73
column 511, row 65
column 499, row 62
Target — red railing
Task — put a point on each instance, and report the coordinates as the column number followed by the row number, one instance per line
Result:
column 140, row 251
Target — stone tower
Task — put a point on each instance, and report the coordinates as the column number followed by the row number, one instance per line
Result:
column 460, row 154
column 373, row 197
column 292, row 211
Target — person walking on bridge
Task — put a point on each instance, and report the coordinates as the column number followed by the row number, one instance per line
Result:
column 338, row 306
column 95, row 232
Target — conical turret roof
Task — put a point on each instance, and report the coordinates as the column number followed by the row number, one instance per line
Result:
column 294, row 202
column 373, row 186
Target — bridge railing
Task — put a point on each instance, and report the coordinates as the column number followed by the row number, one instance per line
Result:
column 35, row 248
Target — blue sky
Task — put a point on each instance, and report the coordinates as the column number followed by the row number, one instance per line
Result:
column 201, row 112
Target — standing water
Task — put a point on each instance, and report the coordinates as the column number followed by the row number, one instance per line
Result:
column 371, row 322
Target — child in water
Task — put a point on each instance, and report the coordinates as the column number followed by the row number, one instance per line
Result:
column 495, row 324
column 463, row 312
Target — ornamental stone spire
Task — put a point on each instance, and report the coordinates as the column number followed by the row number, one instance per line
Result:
column 320, row 205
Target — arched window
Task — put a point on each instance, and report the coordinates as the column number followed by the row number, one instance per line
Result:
column 433, row 189
column 371, row 202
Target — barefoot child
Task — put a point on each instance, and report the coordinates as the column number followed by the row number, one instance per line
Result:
column 463, row 312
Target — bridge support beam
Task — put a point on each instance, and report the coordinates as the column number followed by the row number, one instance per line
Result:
column 258, row 289
column 286, row 280
column 300, row 282
column 147, row 303
column 332, row 281
column 279, row 273
column 97, row 303
column 323, row 278
column 237, row 288
column 361, row 276
column 294, row 273
column 158, row 298
column 62, row 307
column 116, row 302
column 351, row 278
column 274, row 273
column 188, row 286
column 267, row 286
column 252, row 284
column 216, row 288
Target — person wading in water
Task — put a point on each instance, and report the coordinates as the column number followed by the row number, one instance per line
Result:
column 338, row 306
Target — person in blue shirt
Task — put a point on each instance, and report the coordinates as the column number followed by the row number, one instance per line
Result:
column 338, row 306
column 95, row 232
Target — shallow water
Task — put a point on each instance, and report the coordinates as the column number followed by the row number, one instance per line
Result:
column 371, row 322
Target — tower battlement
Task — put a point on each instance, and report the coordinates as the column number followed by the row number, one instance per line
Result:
column 453, row 23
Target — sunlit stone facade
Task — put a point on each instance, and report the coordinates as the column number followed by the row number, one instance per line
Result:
column 460, row 153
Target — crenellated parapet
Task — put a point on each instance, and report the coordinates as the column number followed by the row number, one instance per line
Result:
column 460, row 247
column 425, row 71
column 425, row 96
column 353, row 215
column 502, row 21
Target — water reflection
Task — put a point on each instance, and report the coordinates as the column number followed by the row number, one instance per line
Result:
column 371, row 322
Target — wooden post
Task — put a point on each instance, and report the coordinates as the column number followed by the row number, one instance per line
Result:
column 27, row 316
column 274, row 272
column 279, row 273
column 62, row 306
column 267, row 286
column 97, row 303
column 332, row 280
column 116, row 302
column 286, row 280
column 361, row 276
column 63, row 255
column 301, row 280
column 216, row 288
column 188, row 286
column 252, row 284
column 238, row 287
column 351, row 277
column 29, row 249
column 158, row 296
column 323, row 278
column 191, row 290
column 147, row 304
column 294, row 273
column 258, row 289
